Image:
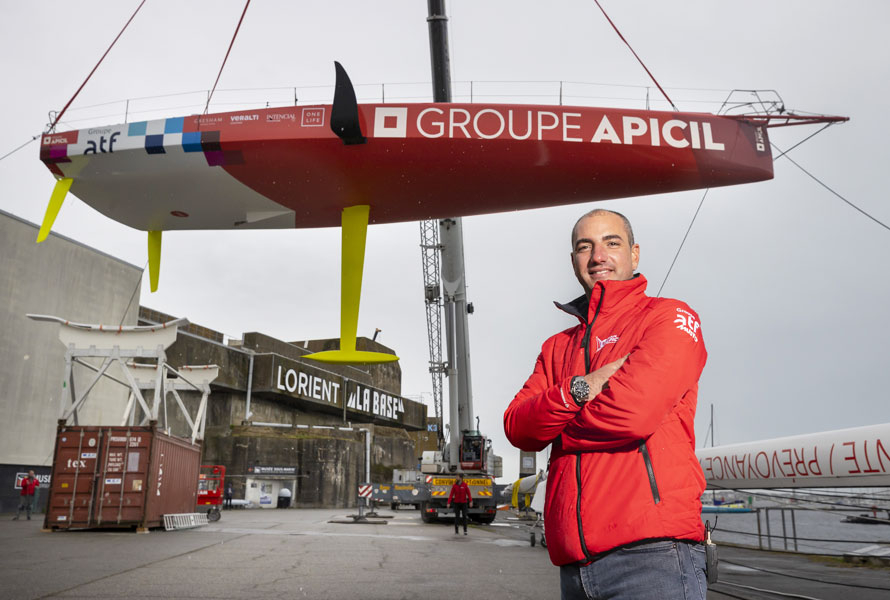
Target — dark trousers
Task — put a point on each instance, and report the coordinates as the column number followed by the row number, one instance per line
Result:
column 227, row 502
column 460, row 515
column 25, row 504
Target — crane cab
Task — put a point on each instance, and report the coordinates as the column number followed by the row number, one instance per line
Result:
column 472, row 451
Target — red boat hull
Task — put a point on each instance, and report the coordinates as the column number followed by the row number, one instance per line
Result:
column 284, row 167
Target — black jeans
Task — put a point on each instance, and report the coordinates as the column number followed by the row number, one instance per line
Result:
column 460, row 515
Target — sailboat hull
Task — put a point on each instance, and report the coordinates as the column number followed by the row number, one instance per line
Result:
column 285, row 168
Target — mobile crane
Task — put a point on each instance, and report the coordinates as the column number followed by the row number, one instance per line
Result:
column 467, row 451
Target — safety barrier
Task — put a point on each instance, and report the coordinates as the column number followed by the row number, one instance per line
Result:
column 184, row 521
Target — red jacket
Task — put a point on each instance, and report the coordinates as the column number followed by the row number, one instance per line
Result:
column 29, row 484
column 460, row 493
column 623, row 466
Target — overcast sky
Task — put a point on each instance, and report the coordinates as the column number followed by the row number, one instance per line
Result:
column 790, row 283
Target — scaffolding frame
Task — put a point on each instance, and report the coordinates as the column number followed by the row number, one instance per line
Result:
column 123, row 345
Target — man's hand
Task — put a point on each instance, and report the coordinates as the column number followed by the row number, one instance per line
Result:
column 599, row 380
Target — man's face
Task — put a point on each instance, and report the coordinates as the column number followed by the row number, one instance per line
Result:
column 31, row 474
column 601, row 250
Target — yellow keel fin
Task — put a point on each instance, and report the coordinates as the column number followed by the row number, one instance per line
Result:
column 354, row 222
column 55, row 204
column 154, row 258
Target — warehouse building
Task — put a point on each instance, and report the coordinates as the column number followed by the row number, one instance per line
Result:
column 275, row 420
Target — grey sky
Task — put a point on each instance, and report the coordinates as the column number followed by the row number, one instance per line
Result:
column 791, row 283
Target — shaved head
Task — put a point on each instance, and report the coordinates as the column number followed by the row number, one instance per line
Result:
column 602, row 211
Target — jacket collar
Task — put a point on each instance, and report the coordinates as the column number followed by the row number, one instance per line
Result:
column 613, row 293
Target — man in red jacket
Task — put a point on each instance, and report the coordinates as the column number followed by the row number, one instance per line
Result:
column 29, row 484
column 461, row 498
column 615, row 396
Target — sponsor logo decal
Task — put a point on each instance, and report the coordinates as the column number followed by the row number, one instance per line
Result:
column 600, row 344
column 687, row 322
column 312, row 117
column 279, row 117
column 243, row 118
column 96, row 148
column 486, row 123
column 391, row 121
column 758, row 139
column 53, row 139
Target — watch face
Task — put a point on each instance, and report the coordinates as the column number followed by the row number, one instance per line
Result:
column 580, row 388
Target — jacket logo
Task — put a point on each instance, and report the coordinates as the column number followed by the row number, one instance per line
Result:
column 687, row 322
column 600, row 344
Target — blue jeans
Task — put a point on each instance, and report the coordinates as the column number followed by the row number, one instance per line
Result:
column 662, row 570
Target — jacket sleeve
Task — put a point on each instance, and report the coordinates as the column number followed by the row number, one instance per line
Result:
column 541, row 409
column 664, row 365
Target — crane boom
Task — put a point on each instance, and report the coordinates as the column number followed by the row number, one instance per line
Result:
column 429, row 248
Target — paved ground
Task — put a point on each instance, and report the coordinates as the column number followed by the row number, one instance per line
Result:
column 255, row 554
column 275, row 554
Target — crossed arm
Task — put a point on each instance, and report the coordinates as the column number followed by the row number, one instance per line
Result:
column 629, row 397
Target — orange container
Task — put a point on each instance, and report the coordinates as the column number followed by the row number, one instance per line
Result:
column 109, row 477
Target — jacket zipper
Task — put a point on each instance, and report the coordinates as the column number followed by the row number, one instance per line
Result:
column 586, row 345
column 578, row 507
column 644, row 450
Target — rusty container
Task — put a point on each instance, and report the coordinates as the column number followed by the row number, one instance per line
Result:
column 110, row 477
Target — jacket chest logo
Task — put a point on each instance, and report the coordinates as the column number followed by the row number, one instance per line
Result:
column 600, row 344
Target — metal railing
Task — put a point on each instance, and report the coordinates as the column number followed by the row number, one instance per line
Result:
column 558, row 93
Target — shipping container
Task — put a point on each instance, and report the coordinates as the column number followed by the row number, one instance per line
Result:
column 110, row 477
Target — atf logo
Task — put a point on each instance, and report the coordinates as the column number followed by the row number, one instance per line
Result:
column 600, row 344
column 390, row 121
column 687, row 322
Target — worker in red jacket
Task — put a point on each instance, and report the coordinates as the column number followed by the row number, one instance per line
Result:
column 461, row 498
column 29, row 484
column 615, row 397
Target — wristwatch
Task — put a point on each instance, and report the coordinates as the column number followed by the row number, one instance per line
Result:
column 580, row 390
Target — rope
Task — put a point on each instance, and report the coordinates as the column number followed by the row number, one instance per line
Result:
column 677, row 255
column 757, row 589
column 845, row 584
column 223, row 65
column 648, row 72
column 11, row 152
column 62, row 112
column 817, row 180
column 133, row 295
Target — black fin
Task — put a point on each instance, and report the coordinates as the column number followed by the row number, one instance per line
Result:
column 344, row 114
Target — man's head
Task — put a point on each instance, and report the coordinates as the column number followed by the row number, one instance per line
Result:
column 31, row 474
column 460, row 478
column 603, row 248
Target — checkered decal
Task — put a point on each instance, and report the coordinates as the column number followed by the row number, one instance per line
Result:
column 155, row 137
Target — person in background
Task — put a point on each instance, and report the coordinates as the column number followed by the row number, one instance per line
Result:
column 227, row 497
column 460, row 496
column 29, row 484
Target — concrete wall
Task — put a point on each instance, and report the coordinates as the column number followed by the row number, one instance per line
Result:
column 58, row 277
column 67, row 279
column 327, row 462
